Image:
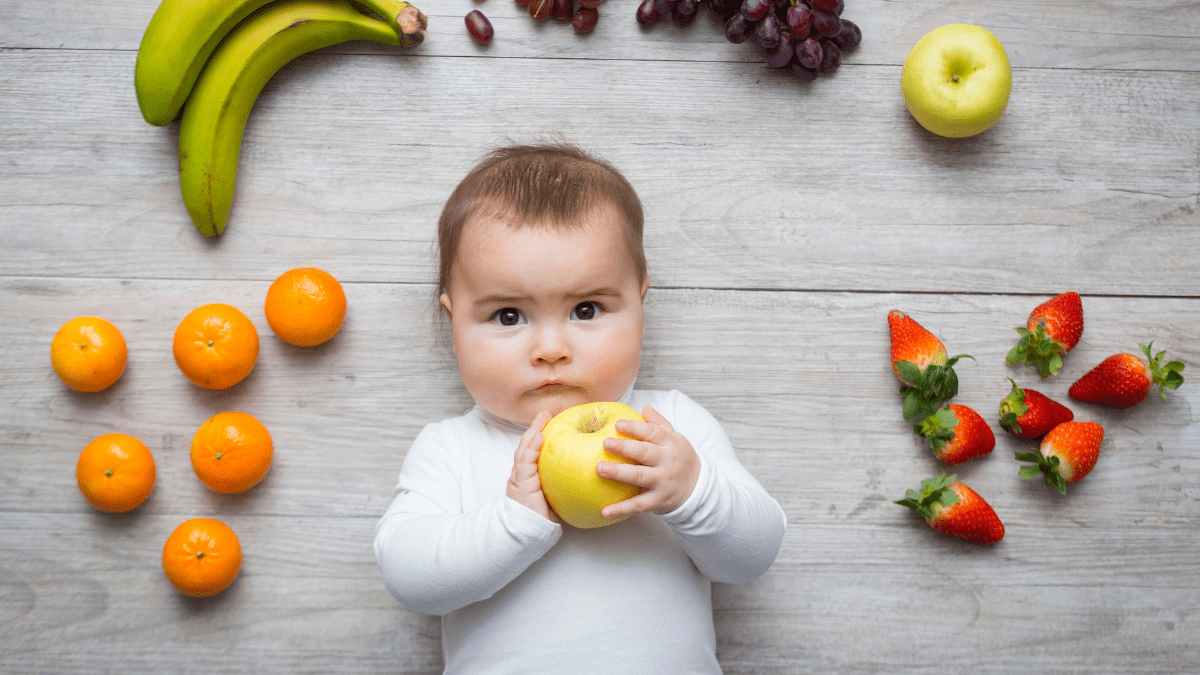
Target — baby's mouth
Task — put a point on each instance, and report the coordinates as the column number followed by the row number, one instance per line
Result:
column 554, row 388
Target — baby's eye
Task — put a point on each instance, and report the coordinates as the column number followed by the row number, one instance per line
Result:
column 586, row 311
column 508, row 317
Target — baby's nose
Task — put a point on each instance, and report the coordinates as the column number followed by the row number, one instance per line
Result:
column 551, row 345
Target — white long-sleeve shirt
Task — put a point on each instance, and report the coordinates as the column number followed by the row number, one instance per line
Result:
column 518, row 593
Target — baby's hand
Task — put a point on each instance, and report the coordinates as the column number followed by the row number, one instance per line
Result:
column 524, row 484
column 667, row 465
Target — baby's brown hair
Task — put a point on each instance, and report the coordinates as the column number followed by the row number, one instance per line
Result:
column 545, row 185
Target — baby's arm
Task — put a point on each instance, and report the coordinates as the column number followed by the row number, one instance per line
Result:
column 435, row 557
column 731, row 527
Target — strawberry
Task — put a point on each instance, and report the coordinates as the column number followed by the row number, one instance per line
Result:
column 1124, row 380
column 1053, row 329
column 956, row 433
column 955, row 509
column 919, row 360
column 1026, row 413
column 1067, row 454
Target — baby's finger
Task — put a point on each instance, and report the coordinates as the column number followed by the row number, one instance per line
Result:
column 644, row 431
column 641, row 452
column 633, row 474
column 654, row 417
column 637, row 504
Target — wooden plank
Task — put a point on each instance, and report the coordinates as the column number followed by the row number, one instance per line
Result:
column 1111, row 34
column 1102, row 196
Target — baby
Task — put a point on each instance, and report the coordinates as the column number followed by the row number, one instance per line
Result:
column 542, row 279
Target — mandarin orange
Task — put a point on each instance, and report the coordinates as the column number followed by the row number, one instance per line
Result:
column 216, row 346
column 231, row 452
column 305, row 306
column 88, row 353
column 115, row 472
column 202, row 557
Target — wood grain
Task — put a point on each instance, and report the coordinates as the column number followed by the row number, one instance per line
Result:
column 783, row 221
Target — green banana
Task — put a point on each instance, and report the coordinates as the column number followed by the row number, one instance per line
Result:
column 182, row 35
column 210, row 133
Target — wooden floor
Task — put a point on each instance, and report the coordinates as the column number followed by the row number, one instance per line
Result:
column 784, row 220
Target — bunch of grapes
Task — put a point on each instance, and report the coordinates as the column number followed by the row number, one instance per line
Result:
column 583, row 15
column 808, row 35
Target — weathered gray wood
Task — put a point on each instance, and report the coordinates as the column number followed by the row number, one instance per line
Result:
column 783, row 221
column 761, row 190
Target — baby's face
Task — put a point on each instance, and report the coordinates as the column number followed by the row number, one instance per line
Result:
column 545, row 319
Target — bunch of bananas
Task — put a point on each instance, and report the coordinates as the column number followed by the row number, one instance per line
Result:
column 216, row 55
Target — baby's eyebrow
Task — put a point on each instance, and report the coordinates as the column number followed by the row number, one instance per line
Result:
column 604, row 291
column 500, row 299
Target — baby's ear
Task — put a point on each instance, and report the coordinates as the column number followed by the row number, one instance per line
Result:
column 444, row 299
column 645, row 287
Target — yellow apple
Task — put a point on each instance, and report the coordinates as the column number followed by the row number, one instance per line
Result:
column 956, row 80
column 573, row 443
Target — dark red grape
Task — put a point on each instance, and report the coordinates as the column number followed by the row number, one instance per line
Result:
column 805, row 74
column 541, row 9
column 590, row 4
column 827, row 5
column 755, row 9
column 850, row 37
column 664, row 7
column 563, row 9
column 799, row 21
column 826, row 23
column 585, row 19
column 768, row 32
column 724, row 8
column 479, row 27
column 738, row 29
column 781, row 55
column 831, row 56
column 839, row 8
column 685, row 12
column 809, row 53
column 682, row 20
column 646, row 14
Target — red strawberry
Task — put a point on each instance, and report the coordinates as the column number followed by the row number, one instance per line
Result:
column 1053, row 329
column 1026, row 413
column 919, row 360
column 956, row 433
column 955, row 509
column 1124, row 380
column 1067, row 454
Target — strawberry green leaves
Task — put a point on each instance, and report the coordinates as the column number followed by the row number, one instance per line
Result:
column 1037, row 349
column 1042, row 466
column 926, row 390
column 933, row 491
column 1167, row 375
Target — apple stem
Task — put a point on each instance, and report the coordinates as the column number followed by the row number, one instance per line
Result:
column 954, row 77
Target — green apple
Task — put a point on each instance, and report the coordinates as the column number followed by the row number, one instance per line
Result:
column 956, row 80
column 573, row 443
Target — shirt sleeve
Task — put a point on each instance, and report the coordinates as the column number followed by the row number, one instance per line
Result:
column 434, row 557
column 731, row 527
